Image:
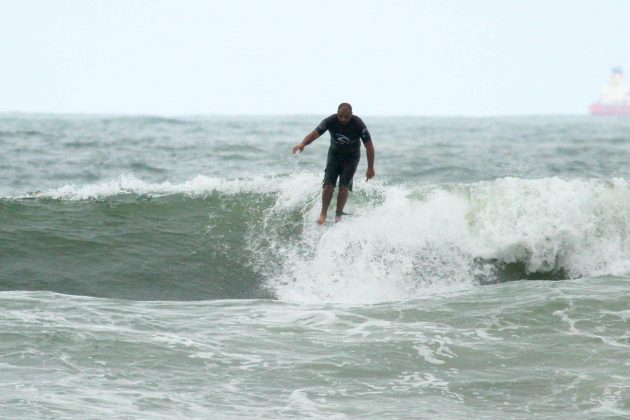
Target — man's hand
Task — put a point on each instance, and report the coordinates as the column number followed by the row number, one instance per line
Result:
column 310, row 138
column 370, row 173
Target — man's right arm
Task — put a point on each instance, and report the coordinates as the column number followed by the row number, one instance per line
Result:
column 310, row 138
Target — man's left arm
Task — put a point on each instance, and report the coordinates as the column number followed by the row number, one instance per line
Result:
column 369, row 148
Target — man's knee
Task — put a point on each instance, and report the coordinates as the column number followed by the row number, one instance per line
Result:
column 345, row 187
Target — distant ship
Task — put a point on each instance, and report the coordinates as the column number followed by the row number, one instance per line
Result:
column 614, row 98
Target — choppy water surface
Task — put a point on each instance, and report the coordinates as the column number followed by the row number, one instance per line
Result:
column 170, row 267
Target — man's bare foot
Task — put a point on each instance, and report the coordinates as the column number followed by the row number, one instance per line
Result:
column 337, row 219
column 322, row 219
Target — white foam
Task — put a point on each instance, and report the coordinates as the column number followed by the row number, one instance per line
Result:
column 382, row 253
column 292, row 187
column 411, row 242
column 581, row 226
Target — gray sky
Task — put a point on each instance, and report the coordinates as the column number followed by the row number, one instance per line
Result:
column 391, row 57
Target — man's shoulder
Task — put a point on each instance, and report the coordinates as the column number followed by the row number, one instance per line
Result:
column 329, row 119
column 358, row 121
column 326, row 123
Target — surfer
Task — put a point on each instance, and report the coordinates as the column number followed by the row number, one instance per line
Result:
column 343, row 155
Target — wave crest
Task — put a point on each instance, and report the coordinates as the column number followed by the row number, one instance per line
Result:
column 199, row 186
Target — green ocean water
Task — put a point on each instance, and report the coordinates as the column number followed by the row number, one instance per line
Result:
column 169, row 267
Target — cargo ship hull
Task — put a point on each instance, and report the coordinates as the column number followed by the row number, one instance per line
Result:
column 608, row 109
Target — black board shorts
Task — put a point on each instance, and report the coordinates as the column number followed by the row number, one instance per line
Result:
column 342, row 166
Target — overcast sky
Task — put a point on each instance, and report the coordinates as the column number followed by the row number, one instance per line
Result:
column 396, row 57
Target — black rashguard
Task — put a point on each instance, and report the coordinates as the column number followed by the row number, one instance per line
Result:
column 344, row 138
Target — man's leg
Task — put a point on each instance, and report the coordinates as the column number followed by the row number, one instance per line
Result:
column 327, row 193
column 345, row 183
column 342, row 198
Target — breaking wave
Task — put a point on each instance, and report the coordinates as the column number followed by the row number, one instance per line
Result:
column 399, row 242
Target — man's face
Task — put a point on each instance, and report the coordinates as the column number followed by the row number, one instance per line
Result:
column 343, row 116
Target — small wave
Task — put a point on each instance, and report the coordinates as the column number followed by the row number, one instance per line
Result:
column 152, row 119
column 294, row 186
column 22, row 133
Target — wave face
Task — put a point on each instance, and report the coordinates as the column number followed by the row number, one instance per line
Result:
column 215, row 238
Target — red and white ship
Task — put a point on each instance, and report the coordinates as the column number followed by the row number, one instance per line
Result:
column 614, row 98
column 599, row 108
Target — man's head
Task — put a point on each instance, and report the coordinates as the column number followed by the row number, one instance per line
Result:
column 344, row 113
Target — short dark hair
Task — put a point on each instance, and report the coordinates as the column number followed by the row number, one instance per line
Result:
column 344, row 105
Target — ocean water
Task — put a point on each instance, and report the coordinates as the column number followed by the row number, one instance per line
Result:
column 158, row 267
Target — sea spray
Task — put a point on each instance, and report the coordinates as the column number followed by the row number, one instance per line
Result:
column 401, row 243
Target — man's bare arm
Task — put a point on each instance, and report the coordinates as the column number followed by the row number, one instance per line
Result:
column 310, row 138
column 369, row 148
